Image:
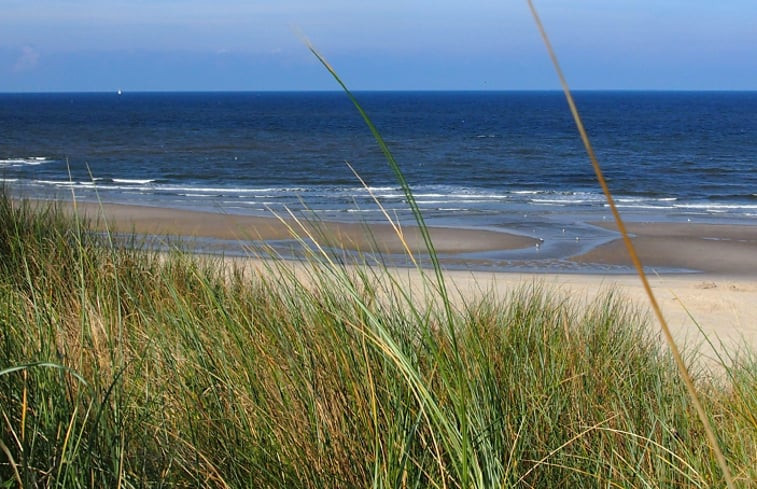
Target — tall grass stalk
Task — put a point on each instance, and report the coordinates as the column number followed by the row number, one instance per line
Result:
column 713, row 441
column 461, row 437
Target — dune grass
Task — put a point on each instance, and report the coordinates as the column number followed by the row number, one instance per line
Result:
column 120, row 366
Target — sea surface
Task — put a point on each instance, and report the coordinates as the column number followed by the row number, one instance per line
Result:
column 508, row 161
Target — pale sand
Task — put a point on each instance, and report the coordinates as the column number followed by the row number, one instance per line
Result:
column 724, row 307
column 722, row 300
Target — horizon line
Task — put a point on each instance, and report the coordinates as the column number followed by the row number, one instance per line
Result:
column 122, row 91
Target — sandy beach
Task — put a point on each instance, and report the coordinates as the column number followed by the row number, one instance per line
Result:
column 720, row 296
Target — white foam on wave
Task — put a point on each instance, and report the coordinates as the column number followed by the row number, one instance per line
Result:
column 54, row 182
column 468, row 195
column 651, row 203
column 421, row 196
column 452, row 196
column 645, row 199
column 390, row 196
column 484, row 196
column 453, row 201
column 555, row 202
column 267, row 190
column 135, row 181
column 88, row 184
column 29, row 161
column 232, row 203
column 379, row 189
column 640, row 206
column 565, row 201
column 715, row 207
column 568, row 198
column 229, row 190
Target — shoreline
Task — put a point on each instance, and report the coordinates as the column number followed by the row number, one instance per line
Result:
column 161, row 221
column 671, row 248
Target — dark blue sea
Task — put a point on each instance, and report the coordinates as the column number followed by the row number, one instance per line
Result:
column 509, row 161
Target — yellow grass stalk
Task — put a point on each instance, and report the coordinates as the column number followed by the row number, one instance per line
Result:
column 714, row 445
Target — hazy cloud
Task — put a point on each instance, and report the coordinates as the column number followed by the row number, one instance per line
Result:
column 28, row 59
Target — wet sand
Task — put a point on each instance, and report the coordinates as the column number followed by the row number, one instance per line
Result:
column 379, row 237
column 710, row 248
column 704, row 248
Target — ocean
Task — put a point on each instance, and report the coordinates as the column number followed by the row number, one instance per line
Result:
column 509, row 161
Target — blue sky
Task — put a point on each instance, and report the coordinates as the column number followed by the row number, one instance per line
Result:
column 101, row 45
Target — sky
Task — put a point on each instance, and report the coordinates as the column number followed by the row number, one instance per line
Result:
column 180, row 45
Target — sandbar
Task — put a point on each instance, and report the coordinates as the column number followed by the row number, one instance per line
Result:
column 380, row 237
column 711, row 248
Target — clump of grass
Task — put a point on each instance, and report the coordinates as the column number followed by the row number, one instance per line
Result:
column 125, row 367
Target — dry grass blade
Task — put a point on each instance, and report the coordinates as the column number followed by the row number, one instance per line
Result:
column 714, row 445
column 577, row 436
column 394, row 223
column 399, row 175
column 12, row 463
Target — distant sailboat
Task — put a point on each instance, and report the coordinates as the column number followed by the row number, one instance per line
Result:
column 120, row 92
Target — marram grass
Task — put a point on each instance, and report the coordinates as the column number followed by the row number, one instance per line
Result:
column 125, row 367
